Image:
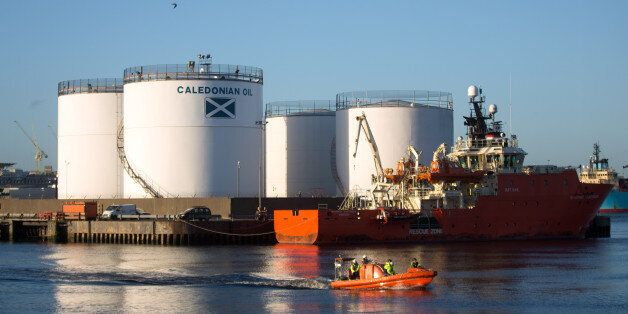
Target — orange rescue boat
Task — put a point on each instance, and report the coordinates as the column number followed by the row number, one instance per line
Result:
column 372, row 277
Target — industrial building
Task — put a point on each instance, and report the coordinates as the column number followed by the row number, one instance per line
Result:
column 89, row 114
column 192, row 130
column 396, row 119
column 299, row 138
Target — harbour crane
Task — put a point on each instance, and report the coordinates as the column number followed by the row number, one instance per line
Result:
column 39, row 153
column 363, row 124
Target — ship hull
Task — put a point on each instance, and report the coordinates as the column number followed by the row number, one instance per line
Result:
column 527, row 206
column 615, row 202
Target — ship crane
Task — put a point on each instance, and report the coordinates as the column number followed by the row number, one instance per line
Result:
column 39, row 153
column 363, row 125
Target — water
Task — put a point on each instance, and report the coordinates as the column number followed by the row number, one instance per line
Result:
column 513, row 276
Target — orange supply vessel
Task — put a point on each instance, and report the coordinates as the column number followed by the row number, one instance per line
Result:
column 80, row 210
column 479, row 191
column 372, row 277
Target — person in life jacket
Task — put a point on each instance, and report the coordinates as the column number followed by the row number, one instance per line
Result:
column 389, row 268
column 415, row 263
column 338, row 266
column 354, row 270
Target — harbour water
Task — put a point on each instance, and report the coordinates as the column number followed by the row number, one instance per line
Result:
column 512, row 276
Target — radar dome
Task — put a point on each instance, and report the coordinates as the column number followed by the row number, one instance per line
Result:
column 492, row 109
column 472, row 91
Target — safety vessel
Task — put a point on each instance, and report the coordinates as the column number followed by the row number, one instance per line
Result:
column 372, row 277
column 479, row 191
column 598, row 171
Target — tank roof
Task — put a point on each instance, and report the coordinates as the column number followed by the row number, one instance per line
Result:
column 300, row 108
column 394, row 98
column 97, row 85
column 193, row 71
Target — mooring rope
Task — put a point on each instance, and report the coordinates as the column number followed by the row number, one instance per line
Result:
column 239, row 234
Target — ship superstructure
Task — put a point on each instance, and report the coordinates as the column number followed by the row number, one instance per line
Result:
column 478, row 191
column 598, row 171
column 486, row 147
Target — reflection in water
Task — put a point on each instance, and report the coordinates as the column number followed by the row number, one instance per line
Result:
column 296, row 260
column 378, row 300
column 513, row 276
column 121, row 277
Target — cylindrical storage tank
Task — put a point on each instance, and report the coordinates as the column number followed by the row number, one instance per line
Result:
column 397, row 119
column 89, row 113
column 299, row 137
column 193, row 130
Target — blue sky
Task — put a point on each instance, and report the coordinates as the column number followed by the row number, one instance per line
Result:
column 568, row 59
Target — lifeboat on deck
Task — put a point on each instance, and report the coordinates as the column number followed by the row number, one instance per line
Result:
column 372, row 277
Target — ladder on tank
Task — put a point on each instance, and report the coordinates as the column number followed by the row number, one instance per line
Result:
column 129, row 170
column 334, row 166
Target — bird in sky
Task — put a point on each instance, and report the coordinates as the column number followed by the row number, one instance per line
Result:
column 174, row 5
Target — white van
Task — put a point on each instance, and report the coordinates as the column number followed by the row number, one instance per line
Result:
column 116, row 211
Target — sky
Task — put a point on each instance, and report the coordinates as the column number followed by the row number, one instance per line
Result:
column 568, row 60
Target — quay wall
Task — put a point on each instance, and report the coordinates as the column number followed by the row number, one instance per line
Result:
column 239, row 208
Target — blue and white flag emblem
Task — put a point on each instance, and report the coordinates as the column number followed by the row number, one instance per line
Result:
column 220, row 108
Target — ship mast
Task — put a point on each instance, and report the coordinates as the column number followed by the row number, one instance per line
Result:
column 476, row 121
column 596, row 153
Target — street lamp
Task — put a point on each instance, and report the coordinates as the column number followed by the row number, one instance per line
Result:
column 67, row 178
column 238, row 178
column 262, row 125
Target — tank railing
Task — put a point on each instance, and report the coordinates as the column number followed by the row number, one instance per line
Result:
column 498, row 142
column 196, row 72
column 394, row 98
column 286, row 108
column 105, row 85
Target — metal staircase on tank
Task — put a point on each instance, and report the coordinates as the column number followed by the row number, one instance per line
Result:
column 129, row 170
column 334, row 167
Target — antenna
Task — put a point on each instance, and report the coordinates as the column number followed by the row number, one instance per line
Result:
column 54, row 132
column 510, row 103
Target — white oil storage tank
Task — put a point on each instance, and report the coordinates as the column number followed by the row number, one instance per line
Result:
column 396, row 119
column 299, row 137
column 192, row 130
column 89, row 113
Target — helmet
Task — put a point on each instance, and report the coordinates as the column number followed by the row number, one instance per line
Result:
column 354, row 261
column 389, row 260
column 363, row 256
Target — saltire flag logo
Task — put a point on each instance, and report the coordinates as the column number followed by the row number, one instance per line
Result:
column 220, row 108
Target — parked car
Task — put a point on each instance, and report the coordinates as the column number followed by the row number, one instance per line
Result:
column 200, row 213
column 117, row 211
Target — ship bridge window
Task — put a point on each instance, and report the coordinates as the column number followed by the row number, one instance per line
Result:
column 473, row 161
column 508, row 161
column 462, row 161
